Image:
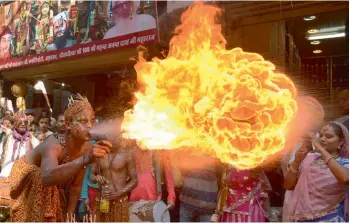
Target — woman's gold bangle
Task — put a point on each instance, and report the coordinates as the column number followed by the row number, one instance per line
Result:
column 291, row 169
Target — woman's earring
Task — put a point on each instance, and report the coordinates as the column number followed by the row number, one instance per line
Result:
column 339, row 147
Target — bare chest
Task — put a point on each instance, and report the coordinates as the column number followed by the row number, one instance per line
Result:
column 114, row 163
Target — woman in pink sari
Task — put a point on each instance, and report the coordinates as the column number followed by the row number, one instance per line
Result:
column 243, row 196
column 320, row 180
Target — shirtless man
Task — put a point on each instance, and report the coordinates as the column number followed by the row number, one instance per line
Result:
column 56, row 166
column 112, row 173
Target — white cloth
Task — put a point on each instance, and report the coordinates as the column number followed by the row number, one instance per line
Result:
column 134, row 218
column 138, row 23
column 344, row 120
column 48, row 133
column 21, row 151
column 174, row 5
column 8, row 106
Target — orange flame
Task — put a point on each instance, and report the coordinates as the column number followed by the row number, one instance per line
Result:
column 228, row 103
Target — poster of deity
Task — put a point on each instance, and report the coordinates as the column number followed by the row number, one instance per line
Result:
column 23, row 33
column 44, row 27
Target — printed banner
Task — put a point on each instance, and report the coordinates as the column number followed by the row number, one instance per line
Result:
column 35, row 32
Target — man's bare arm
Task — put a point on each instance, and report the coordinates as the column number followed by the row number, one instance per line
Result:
column 132, row 173
column 55, row 174
column 52, row 172
column 75, row 191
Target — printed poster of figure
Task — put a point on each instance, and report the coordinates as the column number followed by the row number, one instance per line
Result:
column 5, row 43
column 23, row 32
column 44, row 34
column 8, row 14
column 130, row 17
column 33, row 27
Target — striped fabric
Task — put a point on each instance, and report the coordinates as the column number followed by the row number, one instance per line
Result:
column 342, row 161
column 200, row 188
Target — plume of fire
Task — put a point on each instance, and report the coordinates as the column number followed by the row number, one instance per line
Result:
column 39, row 86
column 227, row 103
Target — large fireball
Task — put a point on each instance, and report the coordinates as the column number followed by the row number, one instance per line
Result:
column 228, row 103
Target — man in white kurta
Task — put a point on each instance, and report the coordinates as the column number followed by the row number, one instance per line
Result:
column 15, row 145
column 6, row 103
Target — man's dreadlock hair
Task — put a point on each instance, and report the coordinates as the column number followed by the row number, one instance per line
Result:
column 76, row 106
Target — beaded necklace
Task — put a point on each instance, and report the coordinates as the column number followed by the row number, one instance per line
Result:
column 62, row 142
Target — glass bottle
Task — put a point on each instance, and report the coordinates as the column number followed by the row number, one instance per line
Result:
column 104, row 204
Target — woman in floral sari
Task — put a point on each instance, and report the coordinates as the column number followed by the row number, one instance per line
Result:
column 320, row 180
column 243, row 196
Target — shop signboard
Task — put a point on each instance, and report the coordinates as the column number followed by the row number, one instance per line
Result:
column 34, row 32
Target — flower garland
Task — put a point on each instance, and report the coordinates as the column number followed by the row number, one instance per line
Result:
column 110, row 22
column 110, row 10
column 91, row 21
column 45, row 37
column 92, row 13
column 9, row 12
column 24, row 14
column 76, row 10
